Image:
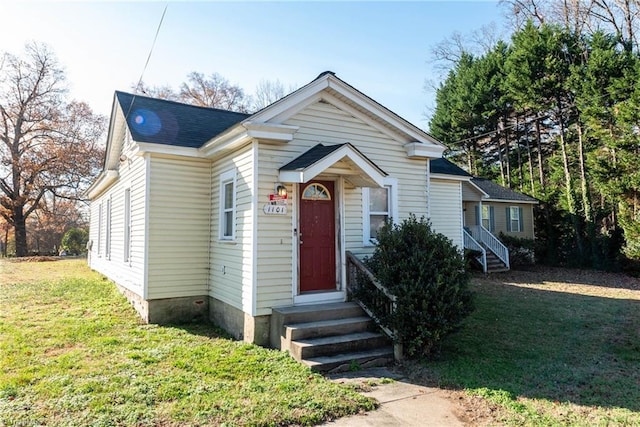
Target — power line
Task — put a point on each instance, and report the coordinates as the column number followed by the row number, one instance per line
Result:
column 146, row 64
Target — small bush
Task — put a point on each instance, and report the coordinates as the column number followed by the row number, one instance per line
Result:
column 426, row 273
column 74, row 241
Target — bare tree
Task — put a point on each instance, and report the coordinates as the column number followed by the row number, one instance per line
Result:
column 162, row 92
column 446, row 53
column 47, row 146
column 579, row 16
column 518, row 12
column 213, row 91
column 268, row 92
column 485, row 38
column 620, row 15
column 449, row 50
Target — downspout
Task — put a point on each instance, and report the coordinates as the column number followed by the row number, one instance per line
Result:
column 429, row 189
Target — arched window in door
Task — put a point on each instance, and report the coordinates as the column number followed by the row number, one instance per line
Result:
column 316, row 191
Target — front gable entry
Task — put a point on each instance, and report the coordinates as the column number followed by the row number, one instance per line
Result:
column 343, row 159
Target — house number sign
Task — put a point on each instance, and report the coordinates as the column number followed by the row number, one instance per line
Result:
column 270, row 209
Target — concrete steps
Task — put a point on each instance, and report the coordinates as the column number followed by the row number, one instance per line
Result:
column 330, row 337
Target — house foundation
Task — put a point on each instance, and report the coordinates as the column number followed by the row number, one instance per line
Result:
column 238, row 324
column 168, row 310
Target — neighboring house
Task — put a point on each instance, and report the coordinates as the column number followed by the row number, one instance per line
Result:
column 488, row 209
column 204, row 213
column 503, row 210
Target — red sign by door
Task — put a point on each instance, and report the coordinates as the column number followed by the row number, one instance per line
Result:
column 317, row 237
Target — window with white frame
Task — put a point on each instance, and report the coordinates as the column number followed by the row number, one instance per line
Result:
column 107, row 238
column 228, row 205
column 127, row 224
column 514, row 219
column 379, row 204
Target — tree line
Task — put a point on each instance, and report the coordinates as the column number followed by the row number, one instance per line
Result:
column 555, row 112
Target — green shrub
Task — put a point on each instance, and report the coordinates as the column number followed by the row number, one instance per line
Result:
column 521, row 250
column 427, row 274
column 471, row 258
column 74, row 241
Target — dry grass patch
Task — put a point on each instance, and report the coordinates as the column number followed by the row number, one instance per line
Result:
column 38, row 269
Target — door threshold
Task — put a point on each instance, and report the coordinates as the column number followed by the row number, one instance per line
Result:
column 319, row 297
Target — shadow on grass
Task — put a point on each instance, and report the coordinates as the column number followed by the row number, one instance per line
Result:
column 202, row 328
column 545, row 344
column 545, row 274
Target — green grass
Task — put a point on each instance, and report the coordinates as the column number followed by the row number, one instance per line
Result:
column 73, row 352
column 549, row 351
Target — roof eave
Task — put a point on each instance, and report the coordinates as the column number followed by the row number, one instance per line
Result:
column 450, row 177
column 102, row 182
column 529, row 202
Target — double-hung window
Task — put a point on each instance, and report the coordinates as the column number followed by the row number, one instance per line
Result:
column 99, row 228
column 107, row 239
column 228, row 205
column 514, row 219
column 488, row 217
column 379, row 204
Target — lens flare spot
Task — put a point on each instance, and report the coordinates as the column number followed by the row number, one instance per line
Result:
column 146, row 122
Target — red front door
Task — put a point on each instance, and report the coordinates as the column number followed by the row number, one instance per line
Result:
column 317, row 237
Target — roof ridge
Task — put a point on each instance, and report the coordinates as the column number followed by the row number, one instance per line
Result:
column 184, row 104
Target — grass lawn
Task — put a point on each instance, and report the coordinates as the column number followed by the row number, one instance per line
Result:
column 73, row 352
column 549, row 347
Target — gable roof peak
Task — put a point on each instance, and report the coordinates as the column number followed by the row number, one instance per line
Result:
column 325, row 73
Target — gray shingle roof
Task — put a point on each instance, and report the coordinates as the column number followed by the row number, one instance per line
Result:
column 172, row 123
column 498, row 192
column 310, row 157
column 446, row 167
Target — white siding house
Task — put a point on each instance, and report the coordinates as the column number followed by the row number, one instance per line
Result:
column 202, row 212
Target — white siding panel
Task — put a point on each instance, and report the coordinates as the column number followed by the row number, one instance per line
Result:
column 232, row 263
column 179, row 224
column 446, row 209
column 129, row 274
column 469, row 192
column 275, row 238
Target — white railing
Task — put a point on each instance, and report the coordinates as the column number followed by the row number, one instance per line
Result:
column 471, row 243
column 485, row 237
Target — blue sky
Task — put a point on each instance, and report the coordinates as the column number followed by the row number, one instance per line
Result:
column 381, row 48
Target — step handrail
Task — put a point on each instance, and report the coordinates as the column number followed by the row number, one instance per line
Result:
column 386, row 301
column 472, row 244
column 484, row 236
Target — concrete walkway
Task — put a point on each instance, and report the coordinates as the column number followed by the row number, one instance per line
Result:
column 401, row 403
